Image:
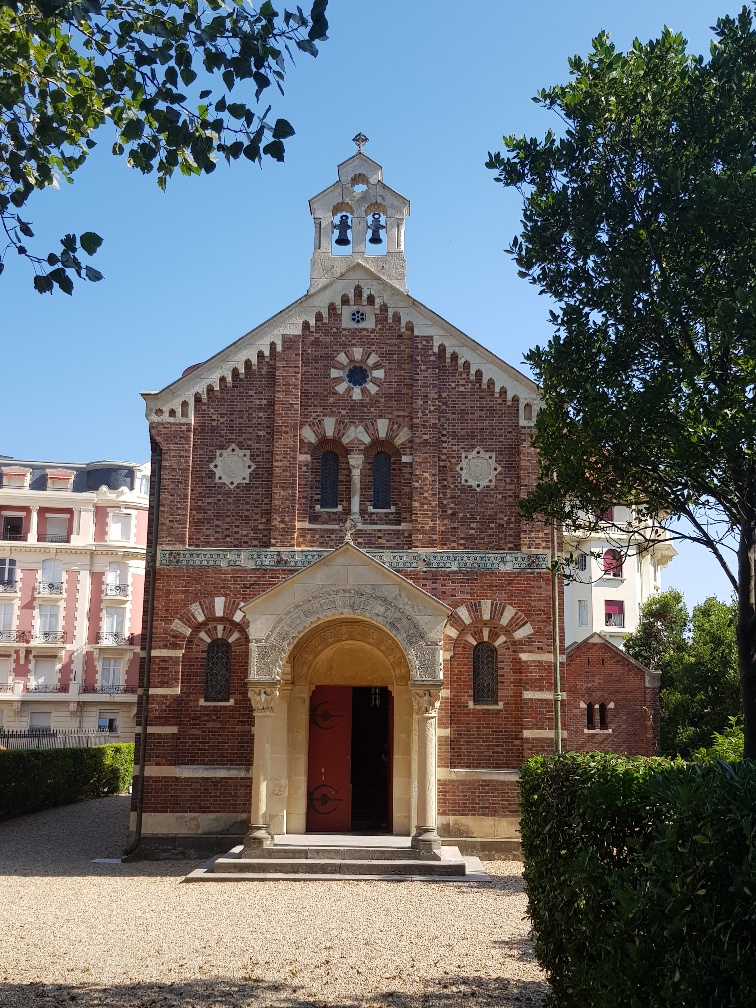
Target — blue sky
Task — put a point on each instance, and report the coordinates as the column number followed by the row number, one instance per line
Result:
column 435, row 85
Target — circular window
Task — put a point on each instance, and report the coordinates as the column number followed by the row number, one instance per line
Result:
column 358, row 316
column 357, row 375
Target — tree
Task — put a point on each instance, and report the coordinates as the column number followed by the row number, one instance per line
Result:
column 149, row 68
column 697, row 657
column 640, row 224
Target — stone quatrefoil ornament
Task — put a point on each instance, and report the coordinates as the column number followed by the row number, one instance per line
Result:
column 478, row 468
column 232, row 466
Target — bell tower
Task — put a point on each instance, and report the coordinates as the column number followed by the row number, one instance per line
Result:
column 359, row 219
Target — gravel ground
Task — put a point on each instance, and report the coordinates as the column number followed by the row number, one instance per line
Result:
column 75, row 933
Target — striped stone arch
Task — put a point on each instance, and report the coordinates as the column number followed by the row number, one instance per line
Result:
column 209, row 610
column 504, row 622
column 356, row 435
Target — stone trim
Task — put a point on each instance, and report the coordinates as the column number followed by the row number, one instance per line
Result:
column 445, row 773
column 197, row 771
column 267, row 656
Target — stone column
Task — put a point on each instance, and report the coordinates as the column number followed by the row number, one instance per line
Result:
column 355, row 465
column 426, row 703
column 33, row 537
column 263, row 703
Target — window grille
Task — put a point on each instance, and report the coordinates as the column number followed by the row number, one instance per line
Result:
column 329, row 480
column 218, row 671
column 485, row 674
column 381, row 481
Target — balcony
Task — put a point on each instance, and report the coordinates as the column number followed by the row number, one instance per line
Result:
column 46, row 688
column 49, row 588
column 8, row 587
column 110, row 690
column 6, row 687
column 50, row 637
column 55, row 537
column 114, row 639
column 13, row 536
column 14, row 636
column 116, row 590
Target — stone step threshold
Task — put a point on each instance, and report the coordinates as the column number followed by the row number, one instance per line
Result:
column 397, row 864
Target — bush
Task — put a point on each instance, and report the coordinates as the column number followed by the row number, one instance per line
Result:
column 40, row 779
column 641, row 877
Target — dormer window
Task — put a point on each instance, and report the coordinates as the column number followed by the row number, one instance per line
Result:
column 15, row 479
column 59, row 480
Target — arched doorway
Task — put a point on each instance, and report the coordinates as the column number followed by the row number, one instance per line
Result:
column 349, row 731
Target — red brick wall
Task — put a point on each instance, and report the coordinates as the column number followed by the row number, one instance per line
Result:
column 262, row 409
column 597, row 672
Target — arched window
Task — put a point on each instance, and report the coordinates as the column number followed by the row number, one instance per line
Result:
column 613, row 563
column 218, row 671
column 602, row 715
column 381, row 481
column 329, row 480
column 485, row 673
column 595, row 716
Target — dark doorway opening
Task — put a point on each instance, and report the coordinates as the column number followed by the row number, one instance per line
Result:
column 371, row 758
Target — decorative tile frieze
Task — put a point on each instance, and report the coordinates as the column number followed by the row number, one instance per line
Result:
column 293, row 559
column 232, row 466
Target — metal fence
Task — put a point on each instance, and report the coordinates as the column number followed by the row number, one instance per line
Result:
column 68, row 738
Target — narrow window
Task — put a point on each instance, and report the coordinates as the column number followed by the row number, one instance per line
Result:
column 614, row 613
column 6, row 617
column 485, row 674
column 110, row 678
column 381, row 481
column 602, row 715
column 589, row 722
column 329, row 480
column 7, row 574
column 582, row 562
column 51, row 580
column 218, row 671
column 613, row 563
column 582, row 612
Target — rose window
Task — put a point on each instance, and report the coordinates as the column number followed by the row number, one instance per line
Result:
column 357, row 373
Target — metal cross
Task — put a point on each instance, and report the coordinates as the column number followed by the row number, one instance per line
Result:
column 360, row 140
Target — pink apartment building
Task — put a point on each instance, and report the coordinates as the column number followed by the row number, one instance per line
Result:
column 72, row 559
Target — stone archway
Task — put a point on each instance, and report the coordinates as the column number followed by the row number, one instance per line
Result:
column 350, row 652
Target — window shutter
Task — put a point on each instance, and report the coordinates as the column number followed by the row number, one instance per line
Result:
column 381, row 480
column 329, row 480
column 218, row 671
column 485, row 673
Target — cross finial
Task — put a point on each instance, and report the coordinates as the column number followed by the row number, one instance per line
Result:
column 360, row 140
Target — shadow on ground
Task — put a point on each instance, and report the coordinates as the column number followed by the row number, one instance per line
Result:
column 253, row 993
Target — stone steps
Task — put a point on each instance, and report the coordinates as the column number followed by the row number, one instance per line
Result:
column 284, row 862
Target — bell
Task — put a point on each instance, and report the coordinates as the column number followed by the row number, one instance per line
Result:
column 375, row 230
column 342, row 227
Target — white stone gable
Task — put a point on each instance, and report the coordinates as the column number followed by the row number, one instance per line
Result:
column 175, row 403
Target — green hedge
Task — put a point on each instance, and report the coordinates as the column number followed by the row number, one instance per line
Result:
column 31, row 780
column 641, row 880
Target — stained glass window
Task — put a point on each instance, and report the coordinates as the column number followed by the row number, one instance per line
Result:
column 329, row 480
column 382, row 480
column 485, row 674
column 218, row 671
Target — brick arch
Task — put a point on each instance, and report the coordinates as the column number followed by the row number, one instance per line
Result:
column 224, row 615
column 510, row 623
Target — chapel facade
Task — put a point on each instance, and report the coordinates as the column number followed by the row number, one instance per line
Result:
column 351, row 624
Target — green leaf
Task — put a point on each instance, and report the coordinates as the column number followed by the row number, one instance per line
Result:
column 274, row 149
column 43, row 284
column 90, row 242
column 282, row 129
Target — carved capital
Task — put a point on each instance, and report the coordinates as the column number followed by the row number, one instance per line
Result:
column 355, row 461
column 263, row 699
column 426, row 701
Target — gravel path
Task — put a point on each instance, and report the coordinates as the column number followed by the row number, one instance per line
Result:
column 130, row 936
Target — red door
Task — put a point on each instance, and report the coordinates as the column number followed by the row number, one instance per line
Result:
column 329, row 784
